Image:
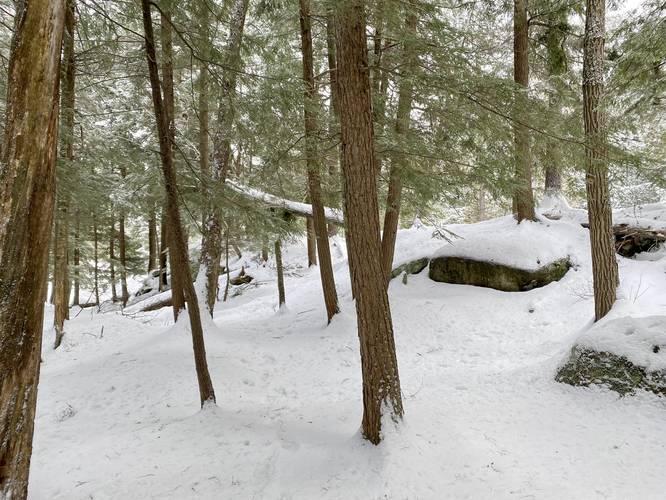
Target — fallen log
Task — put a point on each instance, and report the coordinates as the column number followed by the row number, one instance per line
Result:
column 630, row 241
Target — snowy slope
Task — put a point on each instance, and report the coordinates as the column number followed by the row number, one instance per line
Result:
column 118, row 413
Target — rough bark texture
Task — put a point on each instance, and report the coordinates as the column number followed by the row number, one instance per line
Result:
column 381, row 382
column 164, row 251
column 178, row 248
column 211, row 251
column 61, row 269
column 280, row 273
column 556, row 63
column 76, row 299
column 122, row 249
column 27, row 188
column 311, row 240
column 604, row 265
column 179, row 273
column 95, row 260
column 313, row 167
column 398, row 160
column 523, row 199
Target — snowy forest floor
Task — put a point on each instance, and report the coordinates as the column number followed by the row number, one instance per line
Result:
column 118, row 411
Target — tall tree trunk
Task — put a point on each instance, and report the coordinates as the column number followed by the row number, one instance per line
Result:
column 152, row 240
column 122, row 249
column 398, row 159
column 212, row 247
column 314, row 184
column 604, row 264
column 333, row 113
column 280, row 273
column 178, row 248
column 61, row 273
column 381, row 382
column 204, row 112
column 27, row 189
column 179, row 273
column 523, row 199
column 556, row 63
column 164, row 251
column 112, row 262
column 77, row 258
column 96, row 260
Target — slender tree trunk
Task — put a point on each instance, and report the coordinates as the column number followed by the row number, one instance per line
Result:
column 122, row 249
column 264, row 251
column 152, row 240
column 333, row 167
column 226, row 265
column 314, row 184
column 604, row 264
column 112, row 262
column 381, row 382
column 77, row 259
column 280, row 273
column 27, row 189
column 398, row 159
column 179, row 273
column 212, row 247
column 61, row 273
column 523, row 199
column 204, row 113
column 556, row 63
column 96, row 260
column 164, row 251
column 178, row 248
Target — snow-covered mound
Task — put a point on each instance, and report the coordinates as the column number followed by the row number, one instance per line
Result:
column 624, row 354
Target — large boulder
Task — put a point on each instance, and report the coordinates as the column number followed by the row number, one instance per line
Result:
column 464, row 271
column 625, row 355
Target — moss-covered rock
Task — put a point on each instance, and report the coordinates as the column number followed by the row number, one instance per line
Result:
column 463, row 271
column 411, row 267
column 586, row 367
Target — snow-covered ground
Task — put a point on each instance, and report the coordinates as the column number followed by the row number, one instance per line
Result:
column 118, row 411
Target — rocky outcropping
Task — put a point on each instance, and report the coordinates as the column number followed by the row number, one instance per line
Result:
column 464, row 271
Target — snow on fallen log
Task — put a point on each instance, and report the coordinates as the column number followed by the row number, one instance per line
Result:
column 332, row 215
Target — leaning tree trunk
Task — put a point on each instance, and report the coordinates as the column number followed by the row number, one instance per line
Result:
column 27, row 188
column 178, row 248
column 211, row 251
column 280, row 273
column 381, row 383
column 604, row 264
column 523, row 198
column 179, row 273
column 314, row 184
column 61, row 271
column 398, row 158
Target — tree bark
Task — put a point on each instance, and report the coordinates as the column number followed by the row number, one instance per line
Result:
column 179, row 273
column 381, row 382
column 76, row 300
column 152, row 240
column 523, row 199
column 122, row 248
column 212, row 247
column 112, row 262
column 27, row 188
column 96, row 260
column 311, row 240
column 178, row 248
column 164, row 250
column 61, row 271
column 314, row 184
column 398, row 159
column 604, row 264
column 556, row 63
column 280, row 273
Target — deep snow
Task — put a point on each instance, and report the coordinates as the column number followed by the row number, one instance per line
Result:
column 118, row 414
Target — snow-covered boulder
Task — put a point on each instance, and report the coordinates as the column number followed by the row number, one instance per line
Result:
column 624, row 354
